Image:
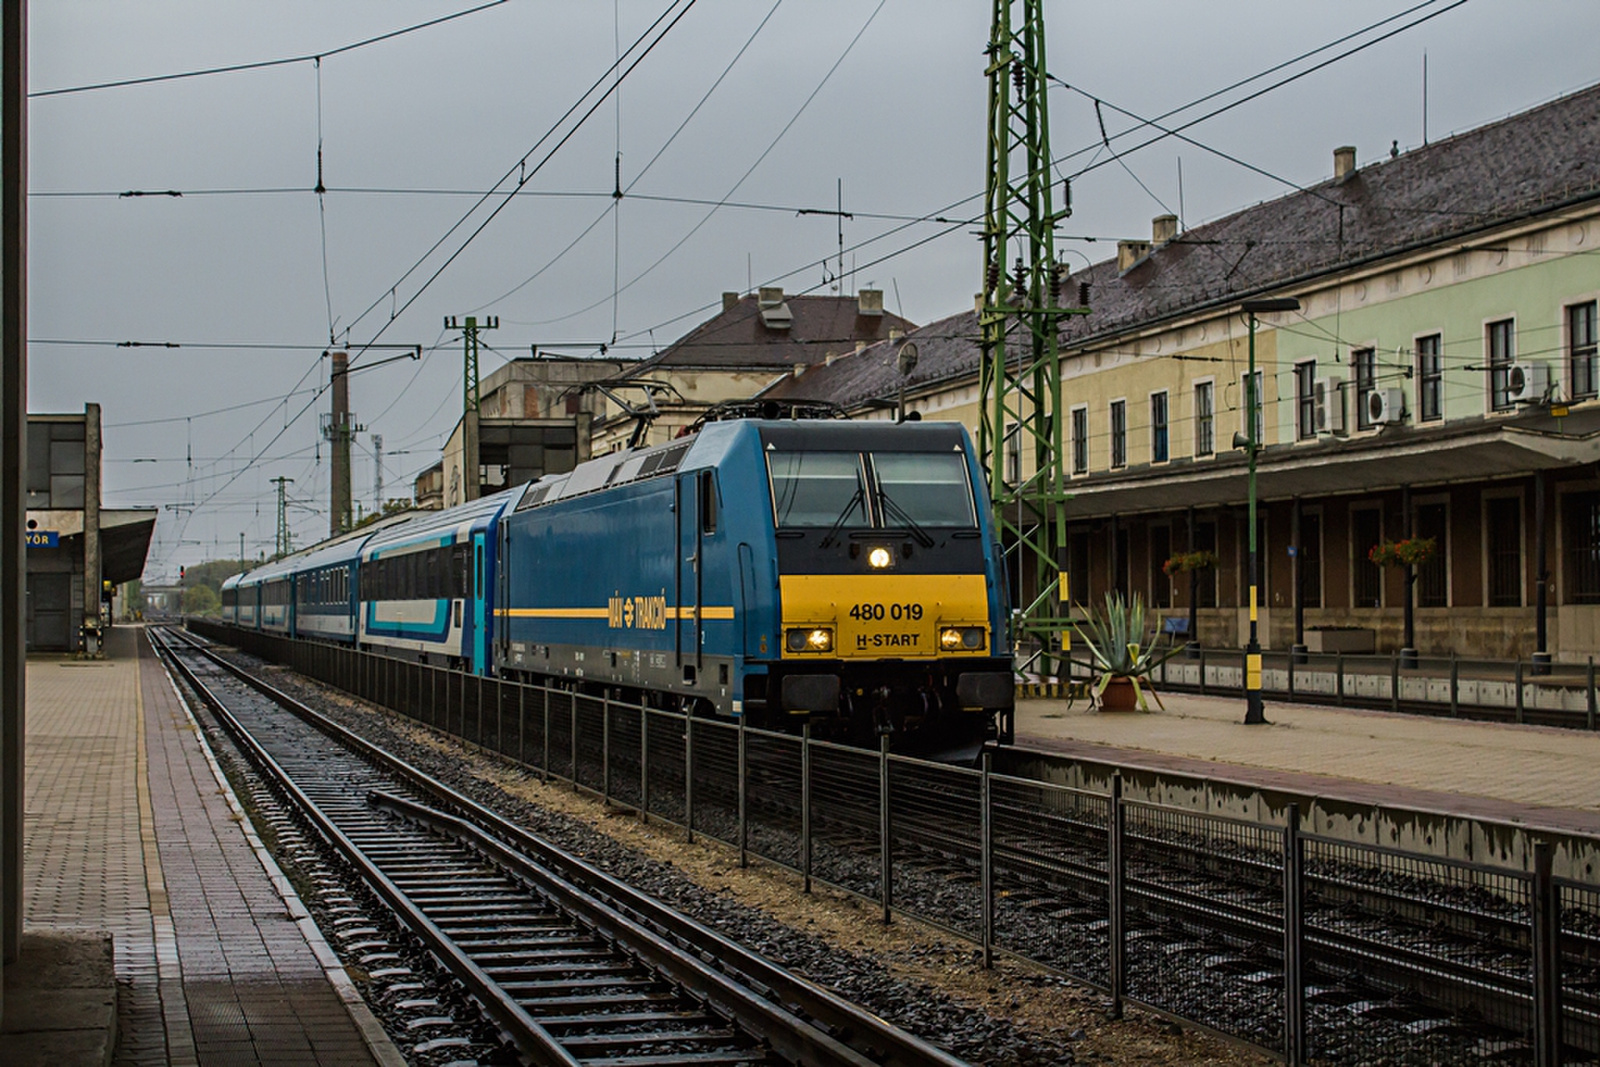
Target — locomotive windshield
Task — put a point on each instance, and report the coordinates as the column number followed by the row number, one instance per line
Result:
column 817, row 489
column 825, row 489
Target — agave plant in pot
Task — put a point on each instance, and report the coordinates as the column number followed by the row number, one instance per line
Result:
column 1122, row 653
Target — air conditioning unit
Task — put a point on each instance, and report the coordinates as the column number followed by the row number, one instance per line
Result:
column 1328, row 404
column 1528, row 382
column 1385, row 406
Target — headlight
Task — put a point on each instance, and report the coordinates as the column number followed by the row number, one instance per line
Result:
column 879, row 558
column 809, row 639
column 954, row 638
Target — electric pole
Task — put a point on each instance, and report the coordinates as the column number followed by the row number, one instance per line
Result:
column 377, row 474
column 338, row 427
column 469, row 328
column 283, row 545
column 1020, row 392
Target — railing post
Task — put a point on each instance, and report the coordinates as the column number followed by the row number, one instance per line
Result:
column 885, row 842
column 522, row 723
column 688, row 775
column 744, row 836
column 1455, row 685
column 1394, row 683
column 544, row 770
column 986, row 856
column 644, row 764
column 500, row 716
column 572, row 738
column 805, row 808
column 1338, row 670
column 481, row 743
column 1202, row 672
column 1294, row 992
column 1115, row 817
column 433, row 696
column 605, row 748
column 1292, row 658
column 1521, row 714
column 1546, row 959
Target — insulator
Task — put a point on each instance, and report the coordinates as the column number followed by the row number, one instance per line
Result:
column 992, row 278
column 1019, row 76
column 1021, row 284
column 1066, row 197
column 1083, row 294
column 1055, row 286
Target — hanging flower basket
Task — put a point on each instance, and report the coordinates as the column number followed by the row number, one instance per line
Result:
column 1184, row 562
column 1409, row 552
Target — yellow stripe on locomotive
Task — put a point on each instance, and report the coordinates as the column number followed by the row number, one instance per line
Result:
column 889, row 616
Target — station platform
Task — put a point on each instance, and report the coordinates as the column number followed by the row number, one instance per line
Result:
column 1537, row 776
column 132, row 832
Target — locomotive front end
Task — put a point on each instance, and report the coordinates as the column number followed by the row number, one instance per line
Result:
column 890, row 605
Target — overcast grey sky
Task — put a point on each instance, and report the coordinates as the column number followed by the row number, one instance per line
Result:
column 429, row 116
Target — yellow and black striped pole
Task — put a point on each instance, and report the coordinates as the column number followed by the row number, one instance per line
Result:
column 1254, row 712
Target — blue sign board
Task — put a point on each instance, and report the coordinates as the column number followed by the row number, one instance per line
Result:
column 42, row 538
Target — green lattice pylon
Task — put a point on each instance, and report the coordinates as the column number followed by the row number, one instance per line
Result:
column 1021, row 312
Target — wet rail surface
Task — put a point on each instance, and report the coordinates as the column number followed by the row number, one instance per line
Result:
column 570, row 964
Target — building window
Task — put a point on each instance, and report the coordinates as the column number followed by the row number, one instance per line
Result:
column 1205, row 420
column 1158, row 427
column 1258, row 400
column 1080, row 440
column 1583, row 548
column 1581, row 337
column 1310, row 556
column 1365, row 363
column 1119, row 433
column 1430, row 379
column 1013, row 453
column 1305, row 399
column 1433, row 584
column 1366, row 577
column 1503, row 516
column 1502, row 353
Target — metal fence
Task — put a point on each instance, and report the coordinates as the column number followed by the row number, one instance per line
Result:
column 1322, row 950
column 1531, row 691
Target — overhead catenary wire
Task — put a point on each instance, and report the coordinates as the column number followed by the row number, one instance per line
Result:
column 234, row 68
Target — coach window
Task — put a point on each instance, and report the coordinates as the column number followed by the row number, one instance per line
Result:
column 708, row 502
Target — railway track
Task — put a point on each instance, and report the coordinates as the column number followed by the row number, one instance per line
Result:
column 574, row 967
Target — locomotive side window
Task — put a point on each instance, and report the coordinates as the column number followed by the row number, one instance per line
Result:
column 817, row 489
column 928, row 488
column 708, row 502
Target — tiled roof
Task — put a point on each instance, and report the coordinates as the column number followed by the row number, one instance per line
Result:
column 1519, row 167
column 737, row 338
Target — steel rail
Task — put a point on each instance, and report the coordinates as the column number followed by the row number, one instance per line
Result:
column 882, row 1042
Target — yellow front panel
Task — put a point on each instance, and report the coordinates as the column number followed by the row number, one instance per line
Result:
column 877, row 616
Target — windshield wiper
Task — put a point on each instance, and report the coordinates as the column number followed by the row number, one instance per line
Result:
column 850, row 506
column 890, row 507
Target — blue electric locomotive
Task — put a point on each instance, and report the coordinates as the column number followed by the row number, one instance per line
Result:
column 842, row 573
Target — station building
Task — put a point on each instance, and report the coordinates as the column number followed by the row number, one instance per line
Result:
column 1438, row 382
column 78, row 552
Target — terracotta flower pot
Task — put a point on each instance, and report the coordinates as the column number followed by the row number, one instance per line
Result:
column 1119, row 695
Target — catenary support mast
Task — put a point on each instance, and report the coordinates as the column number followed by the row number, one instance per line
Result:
column 1019, row 315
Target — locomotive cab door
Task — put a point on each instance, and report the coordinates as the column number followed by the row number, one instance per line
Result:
column 690, row 494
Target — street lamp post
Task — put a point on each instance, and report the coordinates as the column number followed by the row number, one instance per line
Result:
column 1254, row 714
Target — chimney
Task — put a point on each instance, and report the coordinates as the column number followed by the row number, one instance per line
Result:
column 869, row 302
column 729, row 301
column 1344, row 162
column 895, row 335
column 1130, row 253
column 770, row 296
column 1163, row 228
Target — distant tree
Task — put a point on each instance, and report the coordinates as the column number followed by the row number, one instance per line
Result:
column 213, row 573
column 201, row 600
column 133, row 604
